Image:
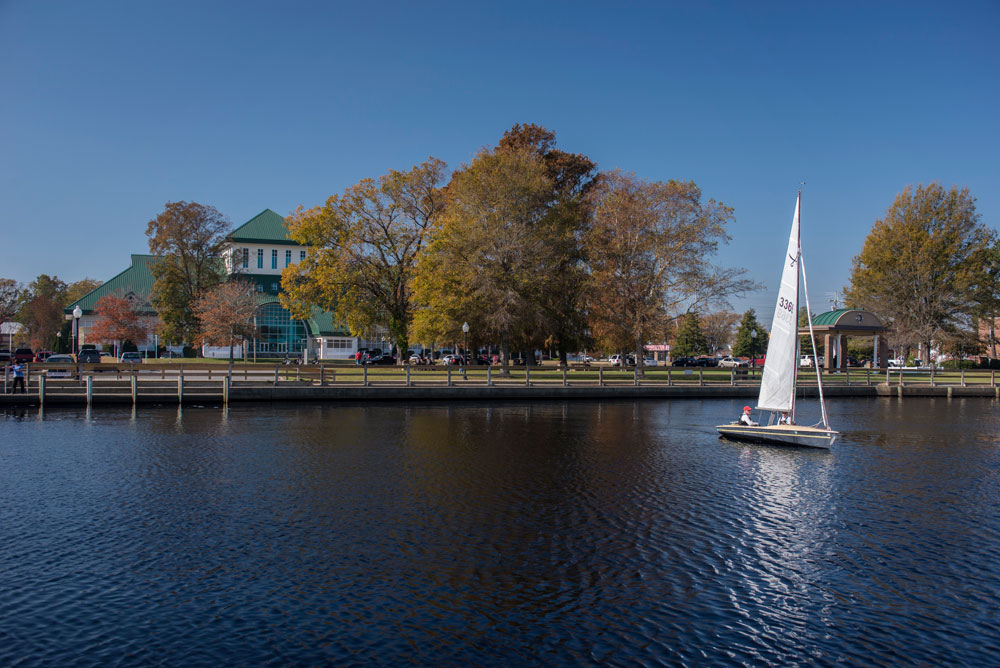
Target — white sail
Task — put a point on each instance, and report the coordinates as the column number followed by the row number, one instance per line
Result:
column 777, row 386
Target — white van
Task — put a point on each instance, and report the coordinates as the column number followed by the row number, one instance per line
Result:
column 807, row 360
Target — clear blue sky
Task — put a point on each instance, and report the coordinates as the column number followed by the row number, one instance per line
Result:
column 110, row 109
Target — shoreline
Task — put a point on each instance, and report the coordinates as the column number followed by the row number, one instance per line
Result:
column 221, row 393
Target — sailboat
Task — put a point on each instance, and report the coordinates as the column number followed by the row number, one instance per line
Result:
column 781, row 367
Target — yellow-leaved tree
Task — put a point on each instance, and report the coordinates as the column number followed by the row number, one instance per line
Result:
column 364, row 245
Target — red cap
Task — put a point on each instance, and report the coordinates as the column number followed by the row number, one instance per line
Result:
column 746, row 408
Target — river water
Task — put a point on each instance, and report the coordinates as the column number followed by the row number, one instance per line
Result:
column 549, row 533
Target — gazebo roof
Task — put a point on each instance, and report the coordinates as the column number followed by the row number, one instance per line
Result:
column 848, row 319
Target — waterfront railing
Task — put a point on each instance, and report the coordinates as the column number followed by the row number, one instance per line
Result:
column 212, row 381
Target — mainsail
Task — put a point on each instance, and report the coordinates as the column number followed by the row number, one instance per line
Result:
column 777, row 386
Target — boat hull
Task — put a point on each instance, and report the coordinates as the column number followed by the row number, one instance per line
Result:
column 781, row 434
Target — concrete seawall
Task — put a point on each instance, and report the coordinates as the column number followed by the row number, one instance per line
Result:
column 293, row 392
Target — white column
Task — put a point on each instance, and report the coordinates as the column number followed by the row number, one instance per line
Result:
column 875, row 359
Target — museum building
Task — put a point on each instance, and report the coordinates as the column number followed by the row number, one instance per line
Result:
column 256, row 251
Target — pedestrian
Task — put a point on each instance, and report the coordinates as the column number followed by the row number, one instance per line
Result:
column 18, row 370
column 357, row 358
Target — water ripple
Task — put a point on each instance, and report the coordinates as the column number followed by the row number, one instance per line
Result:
column 604, row 533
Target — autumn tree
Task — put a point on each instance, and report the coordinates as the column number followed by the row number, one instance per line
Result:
column 364, row 248
column 40, row 309
column 719, row 328
column 10, row 299
column 751, row 337
column 571, row 177
column 690, row 339
column 648, row 252
column 226, row 315
column 922, row 265
column 75, row 291
column 491, row 254
column 117, row 321
column 190, row 238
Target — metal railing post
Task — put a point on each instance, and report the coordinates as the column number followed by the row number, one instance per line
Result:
column 364, row 371
column 635, row 375
column 322, row 375
column 449, row 375
column 932, row 376
column 489, row 376
column 527, row 375
column 600, row 376
column 275, row 374
column 732, row 376
column 963, row 377
column 41, row 389
column 701, row 377
column 564, row 377
column 134, row 382
column 225, row 390
column 180, row 388
column 408, row 375
column 90, row 390
column 669, row 380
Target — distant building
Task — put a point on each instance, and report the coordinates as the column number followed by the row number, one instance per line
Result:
column 257, row 251
column 989, row 330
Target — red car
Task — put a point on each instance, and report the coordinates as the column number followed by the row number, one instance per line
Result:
column 43, row 355
column 23, row 355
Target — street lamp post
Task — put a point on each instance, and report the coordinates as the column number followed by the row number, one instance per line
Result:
column 59, row 341
column 465, row 330
column 753, row 347
column 77, row 314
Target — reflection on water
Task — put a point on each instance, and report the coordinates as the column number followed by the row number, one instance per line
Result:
column 515, row 534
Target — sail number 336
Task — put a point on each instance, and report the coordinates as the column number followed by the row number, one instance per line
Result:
column 785, row 304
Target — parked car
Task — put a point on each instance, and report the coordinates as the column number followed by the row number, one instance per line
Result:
column 170, row 355
column 131, row 358
column 616, row 360
column 896, row 363
column 89, row 356
column 585, row 358
column 684, row 361
column 43, row 355
column 733, row 362
column 648, row 361
column 5, row 356
column 106, row 356
column 23, row 355
column 706, row 361
column 380, row 359
column 65, row 372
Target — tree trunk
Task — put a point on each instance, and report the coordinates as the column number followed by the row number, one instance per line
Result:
column 505, row 356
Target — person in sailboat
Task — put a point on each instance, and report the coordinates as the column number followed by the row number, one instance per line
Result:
column 747, row 419
column 785, row 418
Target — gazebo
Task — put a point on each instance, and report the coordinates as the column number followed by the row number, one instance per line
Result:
column 836, row 326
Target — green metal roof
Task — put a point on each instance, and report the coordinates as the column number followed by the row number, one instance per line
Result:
column 137, row 280
column 264, row 228
column 321, row 323
column 848, row 319
column 830, row 317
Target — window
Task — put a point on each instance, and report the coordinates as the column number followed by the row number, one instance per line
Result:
column 274, row 287
column 260, row 258
column 246, row 257
column 339, row 344
column 274, row 258
column 302, row 255
column 288, row 257
column 260, row 287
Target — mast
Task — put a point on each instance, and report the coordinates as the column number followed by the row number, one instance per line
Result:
column 798, row 252
column 812, row 337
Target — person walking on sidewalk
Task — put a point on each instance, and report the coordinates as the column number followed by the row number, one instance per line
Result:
column 18, row 370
